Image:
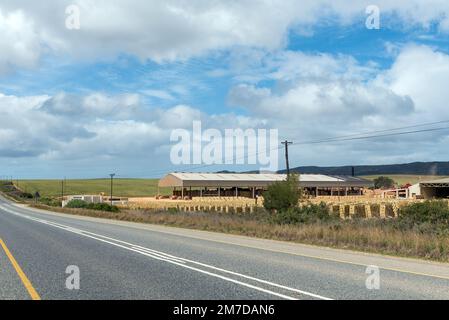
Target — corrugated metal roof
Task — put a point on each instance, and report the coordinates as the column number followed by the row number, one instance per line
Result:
column 257, row 177
column 445, row 180
column 250, row 180
column 229, row 176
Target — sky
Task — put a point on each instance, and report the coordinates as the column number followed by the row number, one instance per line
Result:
column 107, row 95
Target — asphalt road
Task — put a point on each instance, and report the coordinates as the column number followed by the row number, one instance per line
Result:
column 121, row 260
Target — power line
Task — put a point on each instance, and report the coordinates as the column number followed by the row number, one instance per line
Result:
column 339, row 139
column 352, row 137
column 393, row 129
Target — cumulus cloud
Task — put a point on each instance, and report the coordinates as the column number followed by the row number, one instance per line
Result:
column 95, row 105
column 325, row 96
column 337, row 96
column 95, row 126
column 308, row 96
column 421, row 73
column 26, row 131
column 173, row 29
column 19, row 43
column 320, row 87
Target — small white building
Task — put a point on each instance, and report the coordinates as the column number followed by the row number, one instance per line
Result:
column 414, row 191
column 85, row 198
column 116, row 201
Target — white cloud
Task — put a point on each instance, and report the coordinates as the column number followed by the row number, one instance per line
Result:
column 314, row 96
column 95, row 127
column 337, row 96
column 95, row 105
column 19, row 42
column 175, row 30
column 423, row 74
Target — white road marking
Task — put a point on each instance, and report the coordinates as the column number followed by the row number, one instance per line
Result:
column 162, row 256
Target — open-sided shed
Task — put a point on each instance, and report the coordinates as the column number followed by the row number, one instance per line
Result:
column 246, row 184
column 435, row 189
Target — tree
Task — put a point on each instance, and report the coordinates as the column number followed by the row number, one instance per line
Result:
column 283, row 195
column 383, row 183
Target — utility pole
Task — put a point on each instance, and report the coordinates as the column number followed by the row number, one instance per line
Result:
column 287, row 143
column 62, row 191
column 112, row 179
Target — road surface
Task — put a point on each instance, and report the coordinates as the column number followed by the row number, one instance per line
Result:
column 121, row 260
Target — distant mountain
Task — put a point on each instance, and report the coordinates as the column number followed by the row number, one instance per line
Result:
column 415, row 168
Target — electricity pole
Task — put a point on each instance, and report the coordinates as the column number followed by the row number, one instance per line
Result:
column 63, row 186
column 287, row 143
column 112, row 179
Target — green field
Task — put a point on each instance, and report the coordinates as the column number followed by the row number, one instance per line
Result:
column 143, row 187
column 404, row 179
column 122, row 187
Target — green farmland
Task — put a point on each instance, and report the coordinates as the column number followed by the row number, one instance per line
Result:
column 122, row 187
column 141, row 187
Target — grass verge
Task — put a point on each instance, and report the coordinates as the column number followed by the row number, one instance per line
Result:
column 374, row 236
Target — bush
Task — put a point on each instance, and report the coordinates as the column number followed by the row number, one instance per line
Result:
column 384, row 183
column 429, row 216
column 80, row 204
column 102, row 207
column 307, row 214
column 77, row 204
column 50, row 202
column 282, row 195
column 26, row 195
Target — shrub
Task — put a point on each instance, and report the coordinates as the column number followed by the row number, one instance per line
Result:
column 282, row 195
column 307, row 214
column 102, row 207
column 429, row 216
column 80, row 204
column 77, row 204
column 50, row 202
column 383, row 183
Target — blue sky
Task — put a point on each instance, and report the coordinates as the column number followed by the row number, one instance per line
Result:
column 106, row 97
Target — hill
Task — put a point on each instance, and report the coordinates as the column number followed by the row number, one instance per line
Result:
column 415, row 168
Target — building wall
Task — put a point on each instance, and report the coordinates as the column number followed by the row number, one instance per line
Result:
column 415, row 190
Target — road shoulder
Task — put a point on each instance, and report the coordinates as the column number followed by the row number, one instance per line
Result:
column 11, row 287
